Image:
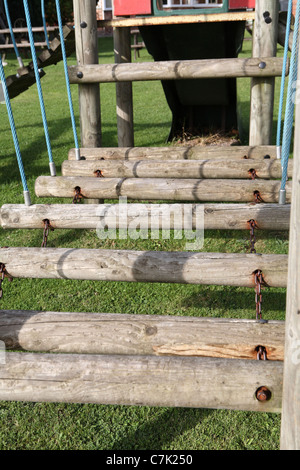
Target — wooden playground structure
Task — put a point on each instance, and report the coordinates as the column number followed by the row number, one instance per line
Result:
column 162, row 361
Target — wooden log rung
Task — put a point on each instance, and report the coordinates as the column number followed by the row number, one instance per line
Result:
column 141, row 380
column 177, row 153
column 203, row 190
column 90, row 333
column 145, row 266
column 87, row 216
column 177, row 70
column 215, row 168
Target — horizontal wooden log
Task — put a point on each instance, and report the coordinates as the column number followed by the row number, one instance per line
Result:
column 22, row 45
column 204, row 190
column 141, row 380
column 177, row 70
column 90, row 333
column 35, row 29
column 83, row 216
column 178, row 152
column 140, row 266
column 215, row 168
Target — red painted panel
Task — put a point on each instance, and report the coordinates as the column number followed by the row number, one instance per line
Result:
column 241, row 4
column 132, row 7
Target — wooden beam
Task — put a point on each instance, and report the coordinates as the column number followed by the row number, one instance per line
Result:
column 262, row 89
column 177, row 70
column 78, row 216
column 177, row 152
column 141, row 380
column 177, row 19
column 290, row 424
column 87, row 53
column 204, row 190
column 139, row 266
column 124, row 100
column 215, row 168
column 90, row 333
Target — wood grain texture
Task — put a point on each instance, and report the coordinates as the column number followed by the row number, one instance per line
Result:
column 91, row 333
column 290, row 425
column 264, row 40
column 214, row 168
column 204, row 190
column 177, row 70
column 141, row 380
column 177, row 152
column 124, row 101
column 78, row 216
column 145, row 266
column 87, row 54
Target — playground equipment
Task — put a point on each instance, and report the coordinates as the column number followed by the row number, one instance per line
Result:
column 25, row 76
column 167, row 361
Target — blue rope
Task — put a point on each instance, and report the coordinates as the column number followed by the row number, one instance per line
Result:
column 14, row 132
column 12, row 34
column 39, row 87
column 290, row 103
column 285, row 59
column 44, row 23
column 63, row 49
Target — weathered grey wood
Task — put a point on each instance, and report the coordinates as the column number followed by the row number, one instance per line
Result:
column 139, row 266
column 290, row 425
column 265, row 36
column 122, row 49
column 90, row 333
column 178, row 70
column 205, row 190
column 77, row 216
column 176, row 152
column 141, row 380
column 87, row 54
column 214, row 168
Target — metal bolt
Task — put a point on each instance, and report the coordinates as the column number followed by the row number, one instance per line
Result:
column 79, row 75
column 267, row 17
column 263, row 394
column 262, row 65
column 83, row 25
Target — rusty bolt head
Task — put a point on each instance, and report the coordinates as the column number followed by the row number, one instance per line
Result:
column 263, row 394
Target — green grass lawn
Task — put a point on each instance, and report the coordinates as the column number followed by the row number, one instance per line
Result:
column 66, row 426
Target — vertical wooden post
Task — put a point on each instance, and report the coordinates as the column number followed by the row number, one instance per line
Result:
column 290, row 425
column 262, row 89
column 122, row 49
column 87, row 54
column 86, row 37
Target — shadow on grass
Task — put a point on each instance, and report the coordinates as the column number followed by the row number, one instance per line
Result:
column 159, row 433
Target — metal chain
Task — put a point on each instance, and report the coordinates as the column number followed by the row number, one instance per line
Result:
column 47, row 228
column 257, row 197
column 253, row 226
column 3, row 274
column 258, row 293
column 99, row 174
column 261, row 353
column 78, row 196
column 252, row 173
